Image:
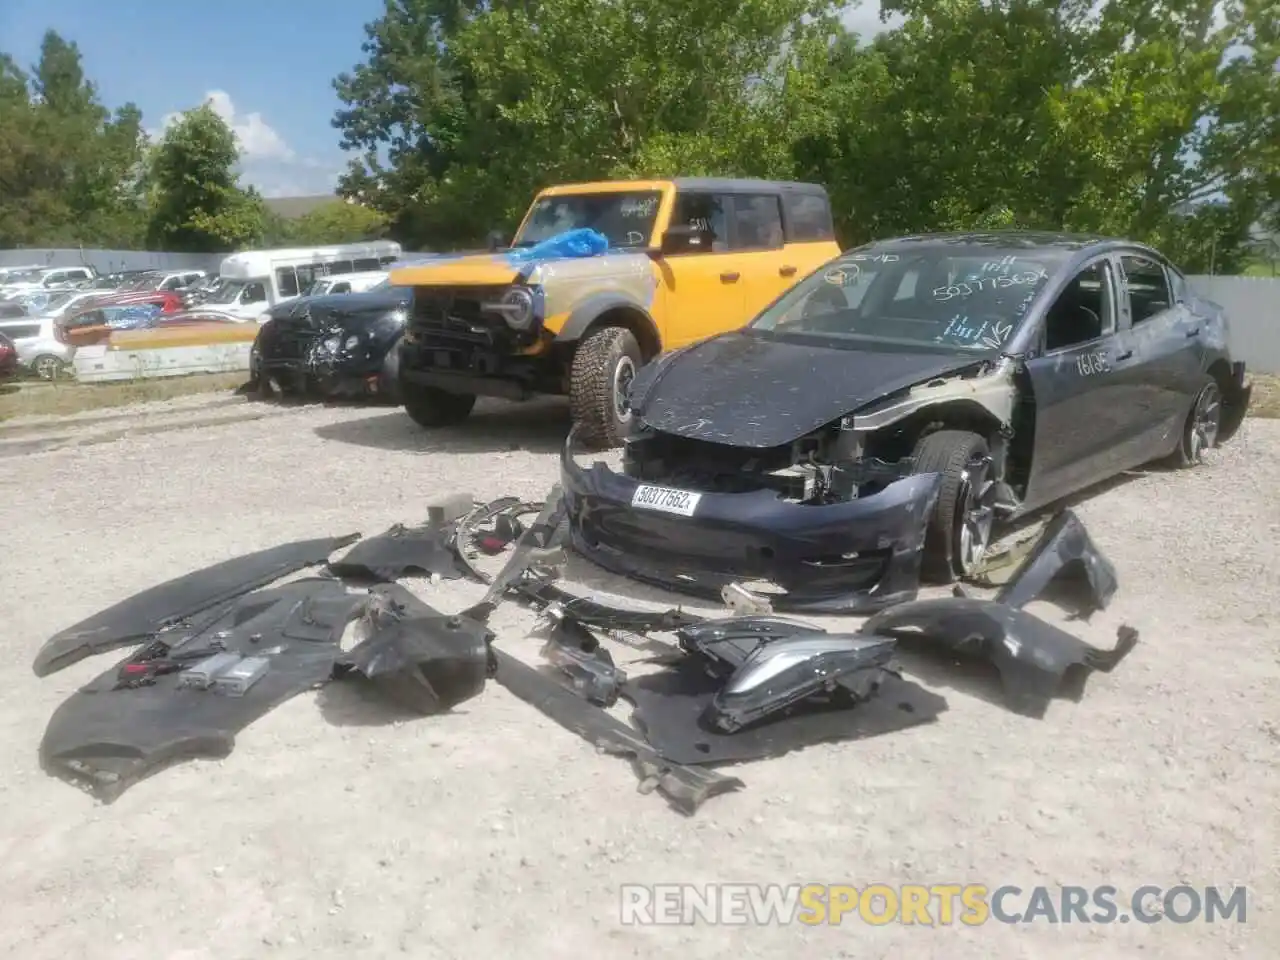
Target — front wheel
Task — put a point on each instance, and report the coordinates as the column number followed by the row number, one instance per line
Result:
column 49, row 367
column 432, row 407
column 604, row 365
column 958, row 532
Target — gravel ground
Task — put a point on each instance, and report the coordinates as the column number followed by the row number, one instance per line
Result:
column 332, row 829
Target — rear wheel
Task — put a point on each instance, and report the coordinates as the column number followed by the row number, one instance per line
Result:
column 433, row 407
column 1204, row 423
column 49, row 367
column 604, row 365
column 958, row 531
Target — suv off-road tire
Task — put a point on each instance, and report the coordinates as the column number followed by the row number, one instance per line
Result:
column 596, row 366
column 432, row 407
column 948, row 452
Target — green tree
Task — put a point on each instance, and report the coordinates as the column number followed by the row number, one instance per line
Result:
column 337, row 222
column 69, row 170
column 464, row 108
column 197, row 203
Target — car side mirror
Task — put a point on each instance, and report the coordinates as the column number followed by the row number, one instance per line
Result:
column 497, row 240
column 685, row 238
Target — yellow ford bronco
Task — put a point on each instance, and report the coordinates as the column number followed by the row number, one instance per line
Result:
column 685, row 259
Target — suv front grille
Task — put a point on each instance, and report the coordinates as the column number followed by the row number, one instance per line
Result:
column 453, row 313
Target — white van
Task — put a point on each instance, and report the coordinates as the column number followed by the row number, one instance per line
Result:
column 346, row 283
column 256, row 280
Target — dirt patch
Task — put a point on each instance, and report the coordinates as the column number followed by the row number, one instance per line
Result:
column 1266, row 397
column 333, row 831
column 27, row 399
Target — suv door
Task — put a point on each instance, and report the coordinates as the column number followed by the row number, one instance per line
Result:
column 703, row 284
column 757, row 240
column 1084, row 385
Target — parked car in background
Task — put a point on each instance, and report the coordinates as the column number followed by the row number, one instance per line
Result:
column 113, row 281
column 39, row 348
column 685, row 259
column 9, row 273
column 52, row 278
column 163, row 280
column 347, row 283
column 342, row 345
column 12, row 308
column 8, row 358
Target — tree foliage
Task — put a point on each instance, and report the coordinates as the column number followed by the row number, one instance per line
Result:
column 1156, row 119
column 336, row 222
column 197, row 203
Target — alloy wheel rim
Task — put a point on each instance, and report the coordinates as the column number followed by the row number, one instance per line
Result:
column 1206, row 420
column 977, row 518
column 623, row 374
column 46, row 368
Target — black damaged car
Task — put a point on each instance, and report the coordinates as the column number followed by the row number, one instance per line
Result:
column 341, row 346
column 875, row 422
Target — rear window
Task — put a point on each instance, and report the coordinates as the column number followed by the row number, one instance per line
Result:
column 19, row 331
column 808, row 217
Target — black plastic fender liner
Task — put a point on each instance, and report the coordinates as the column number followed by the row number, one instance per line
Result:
column 107, row 739
column 402, row 551
column 671, row 707
column 426, row 661
column 1064, row 552
column 604, row 616
column 1032, row 655
column 147, row 613
column 686, row 788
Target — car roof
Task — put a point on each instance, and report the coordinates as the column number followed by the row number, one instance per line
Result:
column 1005, row 239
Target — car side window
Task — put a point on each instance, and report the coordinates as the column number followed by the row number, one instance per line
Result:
column 757, row 222
column 1147, row 288
column 1084, row 311
column 254, row 293
column 808, row 218
column 343, row 287
column 706, row 212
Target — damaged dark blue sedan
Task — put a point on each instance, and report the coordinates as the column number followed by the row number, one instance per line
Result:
column 875, row 423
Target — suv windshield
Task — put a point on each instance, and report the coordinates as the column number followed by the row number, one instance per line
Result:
column 940, row 295
column 226, row 292
column 625, row 218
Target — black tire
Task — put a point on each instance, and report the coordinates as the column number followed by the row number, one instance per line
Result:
column 432, row 407
column 1202, row 427
column 389, row 376
column 603, row 365
column 949, row 452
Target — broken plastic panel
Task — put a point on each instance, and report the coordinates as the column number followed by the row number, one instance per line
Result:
column 402, row 551
column 604, row 616
column 541, row 540
column 107, row 737
column 589, row 667
column 780, row 675
column 146, row 614
column 426, row 661
column 1065, row 556
column 1032, row 656
column 686, row 788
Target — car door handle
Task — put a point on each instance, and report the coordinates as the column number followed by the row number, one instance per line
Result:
column 787, row 271
column 729, row 277
column 1124, row 356
column 1193, row 333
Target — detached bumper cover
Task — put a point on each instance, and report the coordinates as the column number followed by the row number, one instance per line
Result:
column 854, row 557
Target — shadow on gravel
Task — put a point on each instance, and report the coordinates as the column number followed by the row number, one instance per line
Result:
column 538, row 426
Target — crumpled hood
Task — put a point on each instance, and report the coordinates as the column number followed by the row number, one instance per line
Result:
column 746, row 390
column 337, row 308
column 484, row 269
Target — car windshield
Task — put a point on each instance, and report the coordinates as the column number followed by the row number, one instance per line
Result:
column 148, row 281
column 226, row 292
column 58, row 300
column 625, row 218
column 22, row 276
column 950, row 296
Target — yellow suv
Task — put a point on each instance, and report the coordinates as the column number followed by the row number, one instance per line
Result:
column 686, row 259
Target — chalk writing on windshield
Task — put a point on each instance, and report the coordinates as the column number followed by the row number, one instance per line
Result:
column 960, row 329
column 874, row 258
column 998, row 334
column 979, row 284
column 643, row 207
column 845, row 276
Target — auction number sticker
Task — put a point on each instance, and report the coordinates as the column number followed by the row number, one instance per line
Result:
column 666, row 500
